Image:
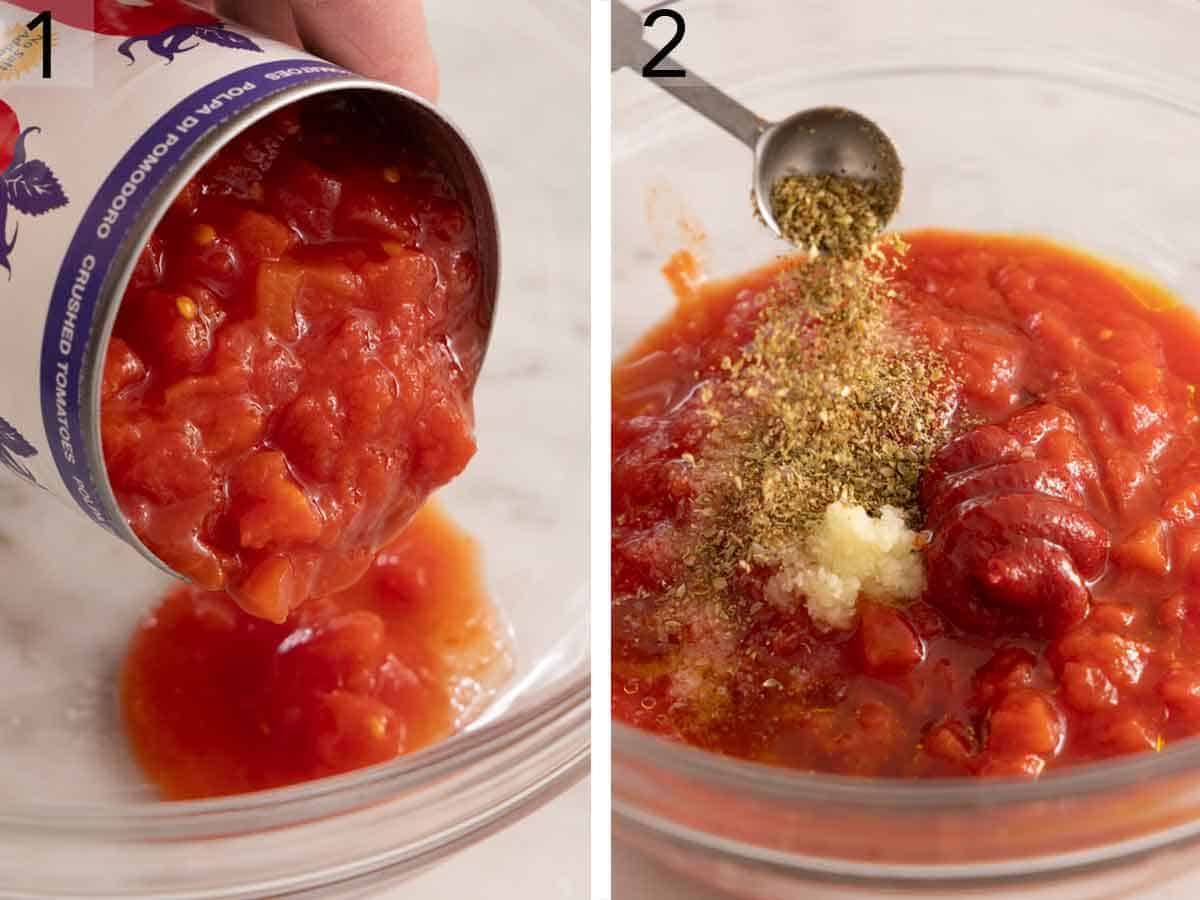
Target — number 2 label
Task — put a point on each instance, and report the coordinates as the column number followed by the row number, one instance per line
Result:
column 651, row 69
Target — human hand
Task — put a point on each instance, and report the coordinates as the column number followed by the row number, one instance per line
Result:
column 383, row 39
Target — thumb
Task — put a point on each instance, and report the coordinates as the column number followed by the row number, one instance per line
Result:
column 384, row 39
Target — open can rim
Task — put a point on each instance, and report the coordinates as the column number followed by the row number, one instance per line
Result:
column 471, row 176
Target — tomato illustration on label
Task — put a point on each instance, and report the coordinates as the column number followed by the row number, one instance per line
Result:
column 14, row 448
column 26, row 185
column 166, row 27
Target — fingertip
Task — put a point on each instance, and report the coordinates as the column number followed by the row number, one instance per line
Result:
column 272, row 18
column 387, row 41
column 431, row 87
column 421, row 76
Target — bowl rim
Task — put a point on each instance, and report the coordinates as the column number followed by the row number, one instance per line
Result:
column 884, row 796
column 940, row 794
column 563, row 714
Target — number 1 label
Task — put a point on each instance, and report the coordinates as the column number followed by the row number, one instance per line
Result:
column 43, row 21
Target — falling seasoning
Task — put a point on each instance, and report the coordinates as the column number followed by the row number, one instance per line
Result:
column 835, row 215
column 829, row 401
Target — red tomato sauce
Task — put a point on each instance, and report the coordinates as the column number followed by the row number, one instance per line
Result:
column 1061, row 619
column 217, row 701
column 292, row 367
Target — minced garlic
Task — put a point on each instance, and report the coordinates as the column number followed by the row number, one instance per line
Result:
column 849, row 554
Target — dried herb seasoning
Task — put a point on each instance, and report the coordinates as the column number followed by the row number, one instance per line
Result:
column 828, row 401
column 832, row 214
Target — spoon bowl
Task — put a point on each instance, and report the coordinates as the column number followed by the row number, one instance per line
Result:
column 826, row 140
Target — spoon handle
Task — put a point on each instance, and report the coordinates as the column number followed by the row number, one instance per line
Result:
column 631, row 50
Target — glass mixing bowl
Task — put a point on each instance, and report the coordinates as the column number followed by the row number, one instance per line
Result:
column 77, row 820
column 1078, row 120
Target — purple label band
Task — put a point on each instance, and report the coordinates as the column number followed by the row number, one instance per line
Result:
column 114, row 210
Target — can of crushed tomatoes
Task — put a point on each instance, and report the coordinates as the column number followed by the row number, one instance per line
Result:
column 140, row 94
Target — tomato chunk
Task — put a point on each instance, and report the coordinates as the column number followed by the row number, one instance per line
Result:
column 217, row 701
column 286, row 369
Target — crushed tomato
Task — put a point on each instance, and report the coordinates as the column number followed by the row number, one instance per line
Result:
column 292, row 367
column 1061, row 622
column 219, row 702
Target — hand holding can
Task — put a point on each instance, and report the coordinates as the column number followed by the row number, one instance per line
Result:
column 384, row 41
